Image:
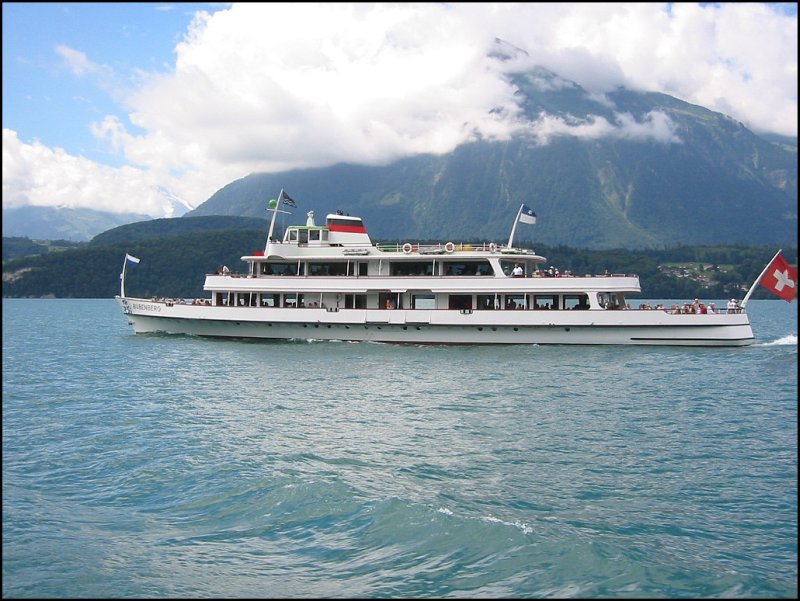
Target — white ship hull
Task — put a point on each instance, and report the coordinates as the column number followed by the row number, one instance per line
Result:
column 592, row 327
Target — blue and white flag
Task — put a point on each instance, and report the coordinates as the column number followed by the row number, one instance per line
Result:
column 527, row 215
column 131, row 259
column 287, row 200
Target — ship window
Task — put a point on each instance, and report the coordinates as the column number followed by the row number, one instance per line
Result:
column 488, row 302
column 390, row 300
column 324, row 235
column 302, row 236
column 292, row 299
column 508, row 267
column 292, row 235
column 346, row 222
column 467, row 268
column 243, row 299
column 411, row 268
column 279, row 269
column 545, row 301
column 576, row 301
column 515, row 301
column 313, row 235
column 611, row 300
column 358, row 268
column 331, row 268
column 270, row 300
column 460, row 301
column 423, row 301
column 355, row 301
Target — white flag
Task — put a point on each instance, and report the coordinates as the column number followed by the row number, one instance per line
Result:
column 527, row 215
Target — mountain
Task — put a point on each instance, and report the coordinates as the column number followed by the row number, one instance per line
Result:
column 627, row 169
column 50, row 223
column 167, row 227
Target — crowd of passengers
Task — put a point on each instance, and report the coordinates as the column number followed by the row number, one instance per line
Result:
column 694, row 307
column 552, row 272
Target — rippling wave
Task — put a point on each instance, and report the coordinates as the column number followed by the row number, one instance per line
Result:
column 790, row 340
column 172, row 466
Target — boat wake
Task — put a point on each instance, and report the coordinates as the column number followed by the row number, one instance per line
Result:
column 790, row 340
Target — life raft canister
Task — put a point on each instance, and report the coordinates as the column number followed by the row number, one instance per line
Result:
column 407, row 248
column 449, row 247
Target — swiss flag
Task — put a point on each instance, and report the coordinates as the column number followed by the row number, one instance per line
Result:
column 780, row 278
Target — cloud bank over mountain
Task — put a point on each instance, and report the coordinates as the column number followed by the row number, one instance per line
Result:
column 271, row 87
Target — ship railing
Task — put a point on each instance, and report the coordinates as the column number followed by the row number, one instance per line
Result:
column 672, row 309
column 440, row 247
column 537, row 274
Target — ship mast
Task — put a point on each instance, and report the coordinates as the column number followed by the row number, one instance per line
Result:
column 514, row 227
column 272, row 205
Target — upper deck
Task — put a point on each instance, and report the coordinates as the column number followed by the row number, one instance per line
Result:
column 344, row 236
column 341, row 256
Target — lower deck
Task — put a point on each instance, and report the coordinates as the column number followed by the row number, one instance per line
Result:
column 434, row 326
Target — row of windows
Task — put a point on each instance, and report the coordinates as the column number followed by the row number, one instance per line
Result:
column 393, row 300
column 542, row 302
column 318, row 269
column 400, row 268
column 303, row 236
column 287, row 299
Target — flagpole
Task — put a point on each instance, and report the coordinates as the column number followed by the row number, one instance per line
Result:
column 758, row 280
column 272, row 223
column 514, row 228
column 122, row 277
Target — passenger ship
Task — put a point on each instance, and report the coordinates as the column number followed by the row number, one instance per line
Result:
column 331, row 282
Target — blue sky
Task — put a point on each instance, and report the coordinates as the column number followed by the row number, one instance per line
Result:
column 145, row 107
column 42, row 97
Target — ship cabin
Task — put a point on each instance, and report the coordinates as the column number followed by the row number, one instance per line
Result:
column 310, row 260
column 339, row 231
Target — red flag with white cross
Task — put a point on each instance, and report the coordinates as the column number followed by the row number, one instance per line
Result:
column 780, row 278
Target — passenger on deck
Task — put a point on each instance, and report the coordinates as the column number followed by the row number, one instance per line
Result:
column 518, row 272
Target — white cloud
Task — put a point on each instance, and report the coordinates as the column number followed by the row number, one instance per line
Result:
column 77, row 61
column 270, row 87
column 656, row 127
column 356, row 83
column 34, row 174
